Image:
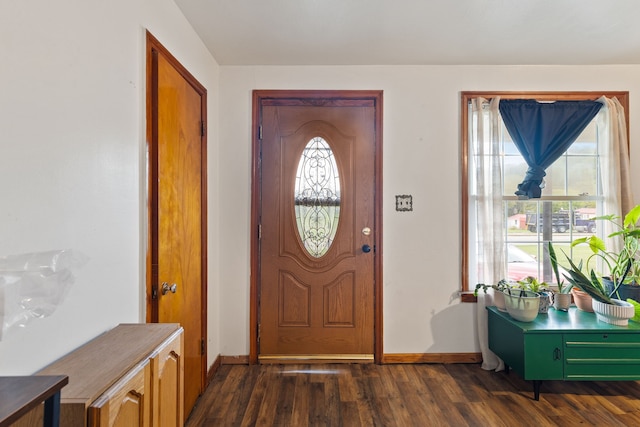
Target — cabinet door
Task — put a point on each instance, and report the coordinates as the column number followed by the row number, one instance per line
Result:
column 168, row 383
column 126, row 403
column 543, row 357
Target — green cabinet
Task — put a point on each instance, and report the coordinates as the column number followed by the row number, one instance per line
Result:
column 571, row 345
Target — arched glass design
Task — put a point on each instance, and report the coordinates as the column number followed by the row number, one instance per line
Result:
column 317, row 197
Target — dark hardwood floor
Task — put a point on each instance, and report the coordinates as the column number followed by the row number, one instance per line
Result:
column 406, row 395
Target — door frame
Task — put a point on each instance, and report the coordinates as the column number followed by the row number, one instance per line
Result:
column 258, row 97
column 154, row 48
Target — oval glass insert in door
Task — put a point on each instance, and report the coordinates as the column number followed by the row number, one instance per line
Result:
column 317, row 197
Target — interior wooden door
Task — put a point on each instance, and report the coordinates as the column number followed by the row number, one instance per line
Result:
column 177, row 171
column 317, row 243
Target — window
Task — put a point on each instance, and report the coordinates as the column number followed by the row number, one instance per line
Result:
column 317, row 197
column 572, row 195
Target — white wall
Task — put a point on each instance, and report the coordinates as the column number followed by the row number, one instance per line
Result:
column 72, row 157
column 421, row 157
column 72, row 163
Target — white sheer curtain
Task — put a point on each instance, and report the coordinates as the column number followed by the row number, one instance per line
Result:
column 485, row 169
column 614, row 165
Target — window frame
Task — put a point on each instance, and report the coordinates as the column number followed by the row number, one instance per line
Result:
column 466, row 96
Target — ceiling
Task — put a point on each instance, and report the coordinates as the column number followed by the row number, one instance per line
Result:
column 417, row 32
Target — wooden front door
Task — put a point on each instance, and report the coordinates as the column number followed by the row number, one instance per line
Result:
column 318, row 240
column 176, row 270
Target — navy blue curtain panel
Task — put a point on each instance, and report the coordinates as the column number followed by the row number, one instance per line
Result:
column 542, row 131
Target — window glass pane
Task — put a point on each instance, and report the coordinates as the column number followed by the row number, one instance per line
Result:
column 529, row 226
column 586, row 142
column 556, row 179
column 585, row 148
column 515, row 169
column 509, row 147
column 583, row 175
column 317, row 197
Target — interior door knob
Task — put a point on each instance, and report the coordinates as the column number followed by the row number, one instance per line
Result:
column 166, row 288
column 366, row 249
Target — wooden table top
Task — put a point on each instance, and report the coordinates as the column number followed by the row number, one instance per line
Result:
column 19, row 394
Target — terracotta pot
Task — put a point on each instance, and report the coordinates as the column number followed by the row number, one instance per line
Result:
column 582, row 299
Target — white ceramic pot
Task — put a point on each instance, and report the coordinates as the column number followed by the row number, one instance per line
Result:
column 561, row 302
column 522, row 308
column 617, row 313
column 498, row 300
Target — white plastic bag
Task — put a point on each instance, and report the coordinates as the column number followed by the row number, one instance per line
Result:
column 33, row 285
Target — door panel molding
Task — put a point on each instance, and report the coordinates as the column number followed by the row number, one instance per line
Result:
column 314, row 98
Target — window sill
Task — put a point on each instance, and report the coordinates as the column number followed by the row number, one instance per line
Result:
column 468, row 297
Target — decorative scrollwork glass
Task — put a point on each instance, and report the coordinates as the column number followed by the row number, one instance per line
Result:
column 317, row 197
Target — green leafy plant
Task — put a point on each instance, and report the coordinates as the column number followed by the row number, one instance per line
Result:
column 501, row 286
column 623, row 266
column 590, row 284
column 636, row 308
column 563, row 287
column 530, row 283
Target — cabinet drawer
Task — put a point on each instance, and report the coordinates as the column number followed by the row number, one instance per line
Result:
column 602, row 356
column 618, row 348
column 581, row 369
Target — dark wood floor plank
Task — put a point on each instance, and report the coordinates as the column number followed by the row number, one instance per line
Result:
column 350, row 415
column 256, row 398
column 270, row 398
column 286, row 396
column 420, row 405
column 348, row 387
column 333, row 409
column 480, row 414
column 300, row 415
column 365, row 395
column 317, row 404
column 241, row 395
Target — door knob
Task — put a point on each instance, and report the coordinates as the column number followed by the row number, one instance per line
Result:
column 166, row 288
column 366, row 249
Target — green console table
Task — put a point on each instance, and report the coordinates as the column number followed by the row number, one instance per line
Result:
column 561, row 345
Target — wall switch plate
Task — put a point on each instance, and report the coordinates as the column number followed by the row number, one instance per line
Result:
column 404, row 203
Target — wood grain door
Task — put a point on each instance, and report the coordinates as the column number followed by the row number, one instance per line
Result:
column 177, row 174
column 317, row 243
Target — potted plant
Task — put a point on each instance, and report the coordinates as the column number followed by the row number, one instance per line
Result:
column 530, row 283
column 607, row 309
column 624, row 266
column 522, row 304
column 498, row 296
column 561, row 298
